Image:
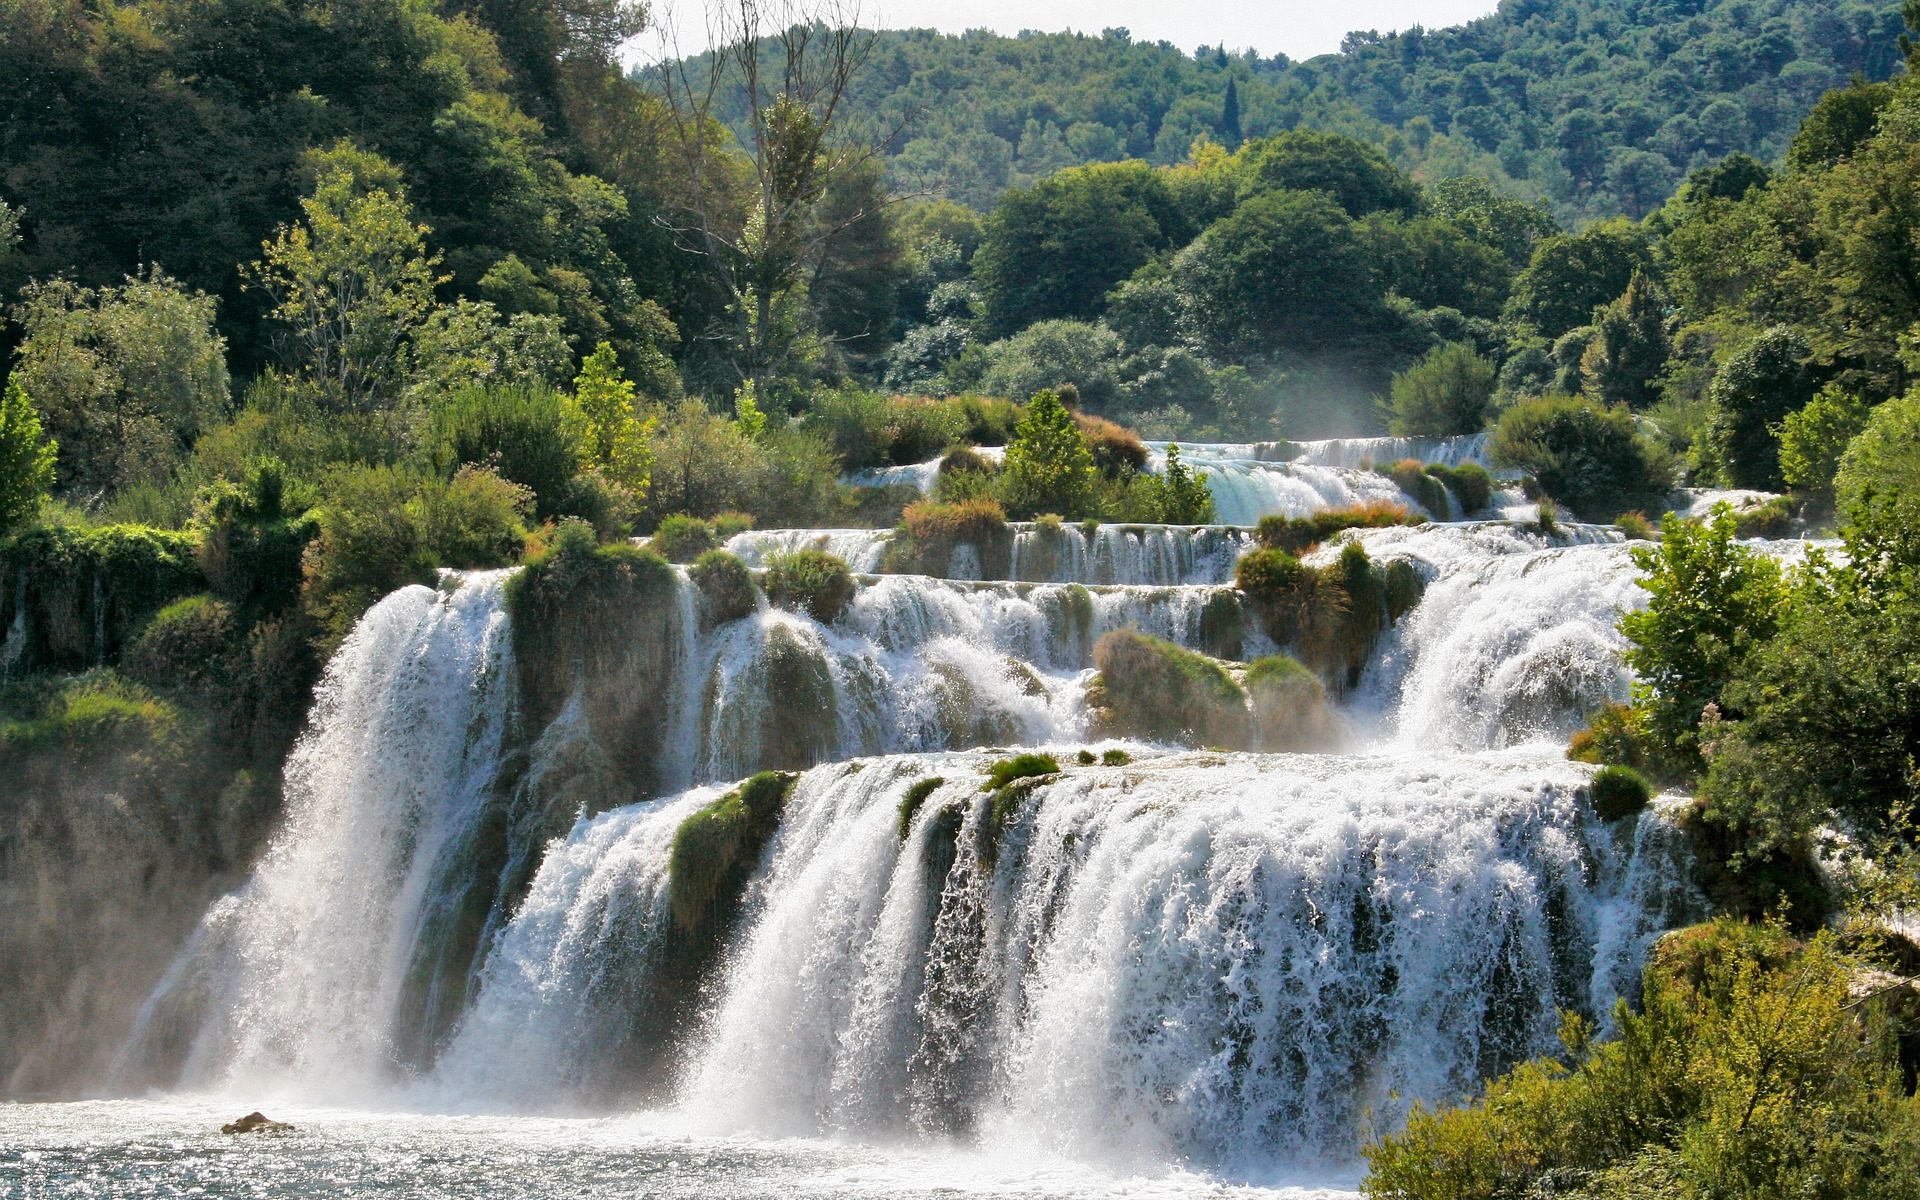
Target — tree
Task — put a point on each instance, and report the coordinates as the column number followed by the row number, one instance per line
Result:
column 1049, row 468
column 1356, row 176
column 1230, row 133
column 756, row 222
column 1753, row 393
column 128, row 376
column 1884, row 458
column 1711, row 602
column 1448, row 392
column 1285, row 272
column 1048, row 354
column 1056, row 249
column 1185, row 498
column 1813, row 439
column 1570, row 275
column 1585, row 456
column 618, row 442
column 26, row 458
column 352, row 282
column 1630, row 347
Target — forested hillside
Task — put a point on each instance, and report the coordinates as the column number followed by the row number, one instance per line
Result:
column 1600, row 106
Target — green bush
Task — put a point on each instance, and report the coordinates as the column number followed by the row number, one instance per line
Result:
column 187, row 645
column 1470, row 484
column 728, row 524
column 929, row 533
column 89, row 591
column 1884, row 459
column 521, row 432
column 1753, row 393
column 812, row 581
column 716, row 849
column 1297, row 535
column 1619, row 792
column 910, row 803
column 1813, row 439
column 1020, row 766
column 1289, row 705
column 1049, row 467
column 1588, row 457
column 253, row 536
column 370, row 543
column 725, row 585
column 1747, row 1072
column 682, row 539
column 476, row 519
column 1448, row 392
column 1152, row 689
column 1410, row 476
column 1115, row 757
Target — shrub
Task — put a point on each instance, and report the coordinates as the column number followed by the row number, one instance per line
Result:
column 726, row 586
column 1618, row 734
column 187, row 645
column 89, row 591
column 252, row 537
column 1297, row 535
column 910, row 803
column 1268, row 576
column 1884, row 459
column 728, row 525
column 1753, row 393
column 1153, row 689
column 716, row 849
column 1619, row 792
column 1410, row 476
column 100, row 714
column 1636, row 526
column 1585, row 456
column 521, row 432
column 1020, row 766
column 929, row 532
column 1116, row 449
column 1470, row 484
column 1446, row 393
column 1115, row 758
column 1813, row 439
column 1048, row 466
column 1748, row 1071
column 476, row 520
column 812, row 581
column 1769, row 520
column 682, row 538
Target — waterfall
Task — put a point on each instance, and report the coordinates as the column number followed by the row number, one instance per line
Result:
column 307, row 967
column 1225, row 960
column 859, row 548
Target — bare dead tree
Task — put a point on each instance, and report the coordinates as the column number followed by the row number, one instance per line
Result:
column 753, row 212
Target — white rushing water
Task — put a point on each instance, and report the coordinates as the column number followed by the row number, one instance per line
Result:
column 1229, row 964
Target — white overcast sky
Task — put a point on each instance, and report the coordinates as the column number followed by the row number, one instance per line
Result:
column 1297, row 28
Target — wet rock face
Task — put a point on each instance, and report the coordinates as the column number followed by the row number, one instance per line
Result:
column 256, row 1122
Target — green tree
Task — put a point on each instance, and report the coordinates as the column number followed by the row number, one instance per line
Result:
column 1813, row 439
column 1630, row 347
column 1712, row 602
column 1056, row 249
column 1049, row 467
column 1586, row 456
column 618, row 442
column 1356, row 176
column 1186, row 499
column 352, row 282
column 128, row 376
column 26, row 458
column 1884, row 458
column 1448, row 392
column 1753, row 393
column 1571, row 274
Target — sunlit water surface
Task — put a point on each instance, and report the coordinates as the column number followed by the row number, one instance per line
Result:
column 143, row 1148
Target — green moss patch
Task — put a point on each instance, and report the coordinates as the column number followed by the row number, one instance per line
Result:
column 1619, row 792
column 716, row 849
column 911, row 802
column 1149, row 688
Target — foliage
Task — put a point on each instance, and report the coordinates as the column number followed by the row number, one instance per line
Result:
column 1471, row 485
column 1410, row 476
column 812, row 581
column 1053, row 354
column 90, row 590
column 1884, row 459
column 716, row 849
column 1630, row 346
column 98, row 714
column 1048, row 466
column 1813, row 438
column 1619, row 791
column 1757, row 389
column 910, row 803
column 26, row 458
column 725, row 584
column 682, row 538
column 617, row 441
column 869, row 429
column 1747, row 1072
column 127, row 376
column 521, row 433
column 1446, row 393
column 1153, row 689
column 1591, row 458
column 1711, row 603
column 1297, row 535
column 1020, row 766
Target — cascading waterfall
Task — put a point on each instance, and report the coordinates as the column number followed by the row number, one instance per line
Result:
column 1223, row 960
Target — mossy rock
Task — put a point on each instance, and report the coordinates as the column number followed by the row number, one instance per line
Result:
column 1153, row 689
column 931, row 532
column 85, row 593
column 726, row 587
column 590, row 620
column 810, row 581
column 910, row 803
column 1223, row 625
column 1471, row 486
column 1410, row 476
column 1289, row 706
column 716, row 850
column 964, row 719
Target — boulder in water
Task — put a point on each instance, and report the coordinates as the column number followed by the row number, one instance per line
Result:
column 255, row 1122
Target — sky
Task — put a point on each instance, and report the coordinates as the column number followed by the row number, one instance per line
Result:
column 1296, row 28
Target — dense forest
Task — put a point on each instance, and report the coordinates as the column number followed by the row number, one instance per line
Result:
column 1598, row 107
column 305, row 299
